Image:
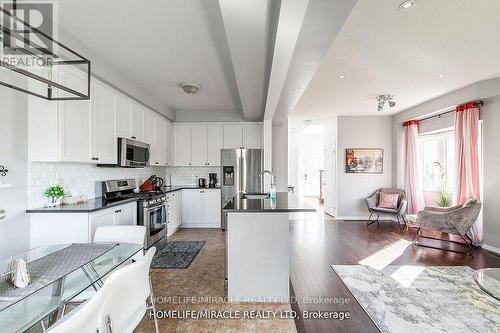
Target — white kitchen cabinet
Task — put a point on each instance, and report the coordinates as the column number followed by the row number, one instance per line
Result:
column 169, row 143
column 75, row 124
column 215, row 140
column 126, row 214
column 119, row 215
column 199, row 153
column 233, row 136
column 103, row 218
column 137, row 122
column 212, row 207
column 104, row 124
column 149, row 126
column 192, row 208
column 174, row 211
column 201, row 208
column 252, row 136
column 123, row 117
column 54, row 228
column 182, row 145
column 157, row 145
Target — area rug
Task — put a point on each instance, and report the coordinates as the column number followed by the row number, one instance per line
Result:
column 422, row 299
column 178, row 254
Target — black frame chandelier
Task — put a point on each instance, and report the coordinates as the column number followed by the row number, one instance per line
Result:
column 33, row 60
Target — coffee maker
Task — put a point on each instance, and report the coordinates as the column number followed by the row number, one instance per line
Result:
column 212, row 179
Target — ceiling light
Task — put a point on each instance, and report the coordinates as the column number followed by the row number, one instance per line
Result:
column 442, row 75
column 382, row 99
column 341, row 77
column 407, row 4
column 190, row 88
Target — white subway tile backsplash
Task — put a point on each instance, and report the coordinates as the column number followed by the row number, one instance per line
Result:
column 84, row 179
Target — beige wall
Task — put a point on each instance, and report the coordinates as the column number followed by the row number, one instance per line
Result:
column 353, row 189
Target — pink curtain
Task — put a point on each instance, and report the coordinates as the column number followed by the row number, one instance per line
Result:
column 467, row 160
column 412, row 185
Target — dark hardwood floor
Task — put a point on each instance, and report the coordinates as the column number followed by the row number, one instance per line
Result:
column 318, row 241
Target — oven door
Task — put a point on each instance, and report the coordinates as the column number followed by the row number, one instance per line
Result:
column 155, row 221
column 133, row 153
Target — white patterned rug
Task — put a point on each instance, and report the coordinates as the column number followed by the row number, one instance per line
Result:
column 422, row 299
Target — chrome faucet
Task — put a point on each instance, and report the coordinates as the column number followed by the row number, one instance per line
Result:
column 270, row 173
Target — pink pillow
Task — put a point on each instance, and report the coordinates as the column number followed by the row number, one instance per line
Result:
column 388, row 200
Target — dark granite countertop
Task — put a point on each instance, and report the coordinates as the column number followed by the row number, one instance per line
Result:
column 284, row 203
column 94, row 205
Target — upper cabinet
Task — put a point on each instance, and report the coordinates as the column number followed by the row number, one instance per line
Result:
column 200, row 144
column 215, row 141
column 252, row 136
column 182, row 145
column 169, row 143
column 137, row 127
column 233, row 136
column 149, row 127
column 104, row 124
column 248, row 136
column 157, row 132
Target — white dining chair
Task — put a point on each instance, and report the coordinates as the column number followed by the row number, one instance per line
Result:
column 84, row 318
column 110, row 234
column 118, row 306
column 129, row 296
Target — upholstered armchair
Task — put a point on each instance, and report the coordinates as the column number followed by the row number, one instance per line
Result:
column 455, row 220
column 373, row 202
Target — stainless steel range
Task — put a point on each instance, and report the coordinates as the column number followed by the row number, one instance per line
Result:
column 151, row 206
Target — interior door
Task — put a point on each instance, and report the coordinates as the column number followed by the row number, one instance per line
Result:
column 330, row 178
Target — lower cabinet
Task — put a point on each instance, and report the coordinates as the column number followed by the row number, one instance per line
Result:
column 174, row 206
column 201, row 208
column 64, row 228
column 119, row 215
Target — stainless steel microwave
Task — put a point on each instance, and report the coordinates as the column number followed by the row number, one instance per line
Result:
column 132, row 153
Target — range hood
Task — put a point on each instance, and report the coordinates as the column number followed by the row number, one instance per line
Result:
column 33, row 62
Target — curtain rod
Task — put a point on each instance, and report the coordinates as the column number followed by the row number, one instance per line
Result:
column 446, row 112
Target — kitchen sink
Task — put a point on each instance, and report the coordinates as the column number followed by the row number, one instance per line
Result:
column 255, row 196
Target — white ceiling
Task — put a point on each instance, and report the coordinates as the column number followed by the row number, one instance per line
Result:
column 382, row 49
column 159, row 44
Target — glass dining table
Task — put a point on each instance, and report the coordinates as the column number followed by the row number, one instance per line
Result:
column 21, row 313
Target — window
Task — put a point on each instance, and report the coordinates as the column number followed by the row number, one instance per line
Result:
column 437, row 161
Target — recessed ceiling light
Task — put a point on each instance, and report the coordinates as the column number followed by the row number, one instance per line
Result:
column 341, row 77
column 407, row 4
column 441, row 75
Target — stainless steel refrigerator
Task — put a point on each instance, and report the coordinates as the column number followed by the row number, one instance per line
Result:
column 240, row 169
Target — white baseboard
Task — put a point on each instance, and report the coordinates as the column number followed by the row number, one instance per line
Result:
column 365, row 218
column 491, row 248
column 199, row 226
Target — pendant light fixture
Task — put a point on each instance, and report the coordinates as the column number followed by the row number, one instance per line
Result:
column 33, row 62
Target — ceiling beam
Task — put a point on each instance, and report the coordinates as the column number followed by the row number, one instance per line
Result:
column 321, row 25
column 249, row 26
column 291, row 16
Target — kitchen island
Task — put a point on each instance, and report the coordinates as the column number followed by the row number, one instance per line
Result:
column 257, row 254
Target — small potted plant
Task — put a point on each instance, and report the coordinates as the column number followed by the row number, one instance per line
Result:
column 54, row 194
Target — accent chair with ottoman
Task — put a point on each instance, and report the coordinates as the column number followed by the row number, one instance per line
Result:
column 391, row 201
column 456, row 220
